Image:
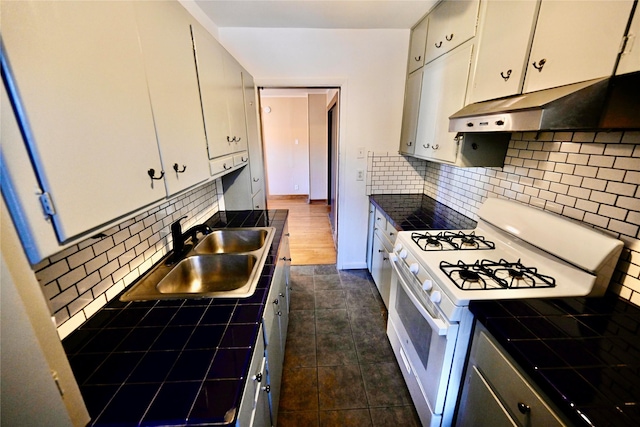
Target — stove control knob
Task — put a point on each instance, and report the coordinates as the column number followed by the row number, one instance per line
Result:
column 414, row 268
column 397, row 247
column 403, row 253
column 427, row 285
column 393, row 257
column 436, row 297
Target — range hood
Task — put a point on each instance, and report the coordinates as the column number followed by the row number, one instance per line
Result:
column 600, row 104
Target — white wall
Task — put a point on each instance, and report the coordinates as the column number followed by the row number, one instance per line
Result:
column 370, row 67
column 285, row 136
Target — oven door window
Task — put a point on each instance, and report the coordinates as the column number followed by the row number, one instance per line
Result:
column 416, row 326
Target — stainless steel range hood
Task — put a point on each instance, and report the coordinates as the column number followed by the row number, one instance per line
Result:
column 600, row 104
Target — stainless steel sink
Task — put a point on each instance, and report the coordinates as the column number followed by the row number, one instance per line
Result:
column 225, row 264
column 232, row 240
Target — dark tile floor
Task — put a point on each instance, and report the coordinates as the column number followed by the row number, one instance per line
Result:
column 339, row 369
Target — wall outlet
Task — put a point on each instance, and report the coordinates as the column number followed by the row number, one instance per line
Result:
column 360, row 176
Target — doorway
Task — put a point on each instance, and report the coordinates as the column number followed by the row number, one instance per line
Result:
column 300, row 145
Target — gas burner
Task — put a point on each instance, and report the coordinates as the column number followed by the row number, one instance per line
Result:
column 469, row 241
column 450, row 241
column 487, row 274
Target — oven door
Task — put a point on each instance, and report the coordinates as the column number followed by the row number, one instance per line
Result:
column 423, row 341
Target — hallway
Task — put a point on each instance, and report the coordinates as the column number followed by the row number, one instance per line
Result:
column 311, row 240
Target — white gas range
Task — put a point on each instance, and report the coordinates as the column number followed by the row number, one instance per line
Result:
column 515, row 252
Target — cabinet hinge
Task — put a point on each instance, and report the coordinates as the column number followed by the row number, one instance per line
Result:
column 56, row 378
column 47, row 204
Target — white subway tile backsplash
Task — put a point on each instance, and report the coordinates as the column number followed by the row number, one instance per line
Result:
column 590, row 176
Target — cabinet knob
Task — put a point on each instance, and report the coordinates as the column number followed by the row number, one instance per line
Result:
column 257, row 377
column 418, row 58
column 469, row 124
column 279, row 313
column 281, row 294
column 507, row 76
column 438, row 44
column 409, row 144
column 523, row 408
column 177, row 168
column 276, row 301
column 256, row 179
column 267, row 388
column 435, row 147
column 426, row 146
column 449, row 37
column 538, row 66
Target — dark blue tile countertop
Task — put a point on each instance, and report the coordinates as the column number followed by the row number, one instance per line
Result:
column 411, row 212
column 584, row 353
column 172, row 362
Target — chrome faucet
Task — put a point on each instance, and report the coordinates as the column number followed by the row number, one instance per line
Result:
column 179, row 238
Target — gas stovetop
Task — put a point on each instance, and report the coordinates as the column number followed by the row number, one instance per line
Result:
column 450, row 241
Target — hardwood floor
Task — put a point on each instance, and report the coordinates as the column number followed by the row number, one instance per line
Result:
column 311, row 239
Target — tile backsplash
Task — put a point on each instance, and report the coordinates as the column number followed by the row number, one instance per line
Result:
column 82, row 278
column 592, row 177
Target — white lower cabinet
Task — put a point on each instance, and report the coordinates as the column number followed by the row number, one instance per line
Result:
column 497, row 393
column 382, row 235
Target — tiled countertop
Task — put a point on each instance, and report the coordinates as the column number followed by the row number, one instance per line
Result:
column 410, row 212
column 172, row 362
column 584, row 353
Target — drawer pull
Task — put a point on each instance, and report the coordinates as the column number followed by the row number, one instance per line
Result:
column 538, row 66
column 523, row 408
column 257, row 377
column 449, row 38
column 177, row 168
column 507, row 76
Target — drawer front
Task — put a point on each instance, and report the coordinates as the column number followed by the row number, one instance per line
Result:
column 380, row 220
column 512, row 389
column 240, row 158
column 220, row 165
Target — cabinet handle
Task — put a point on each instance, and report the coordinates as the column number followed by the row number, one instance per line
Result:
column 229, row 140
column 256, row 179
column 257, row 206
column 244, row 159
column 507, row 76
column 380, row 250
column 281, row 294
column 257, row 377
column 391, row 233
column 435, row 147
column 449, row 38
column 288, row 234
column 237, row 140
column 279, row 313
column 439, row 44
column 540, row 64
column 267, row 388
column 284, row 258
column 523, row 408
column 152, row 173
column 426, row 146
column 276, row 301
column 224, row 165
column 417, row 58
column 409, row 144
column 177, row 168
column 384, row 258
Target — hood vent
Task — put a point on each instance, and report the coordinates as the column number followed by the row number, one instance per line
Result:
column 600, row 104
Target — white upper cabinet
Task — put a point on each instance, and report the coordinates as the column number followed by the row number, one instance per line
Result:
column 209, row 57
column 167, row 47
column 450, row 24
column 417, row 45
column 81, row 79
column 504, row 39
column 575, row 41
column 630, row 58
column 443, row 93
column 410, row 113
column 235, row 103
column 221, row 93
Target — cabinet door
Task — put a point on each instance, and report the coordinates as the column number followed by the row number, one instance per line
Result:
column 630, row 57
column 479, row 406
column 417, row 45
column 80, row 76
column 254, row 139
column 506, row 32
column 443, row 92
column 410, row 113
column 381, row 268
column 450, row 25
column 235, row 103
column 567, row 48
column 167, row 47
column 213, row 86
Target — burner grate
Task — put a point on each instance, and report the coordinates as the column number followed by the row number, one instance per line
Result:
column 450, row 241
column 487, row 274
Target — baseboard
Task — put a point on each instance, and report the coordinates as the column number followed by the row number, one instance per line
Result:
column 289, row 197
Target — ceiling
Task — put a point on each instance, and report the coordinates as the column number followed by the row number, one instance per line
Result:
column 334, row 14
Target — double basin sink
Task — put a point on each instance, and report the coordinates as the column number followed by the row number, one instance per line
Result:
column 223, row 264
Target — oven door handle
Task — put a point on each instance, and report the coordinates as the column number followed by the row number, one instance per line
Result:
column 438, row 325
